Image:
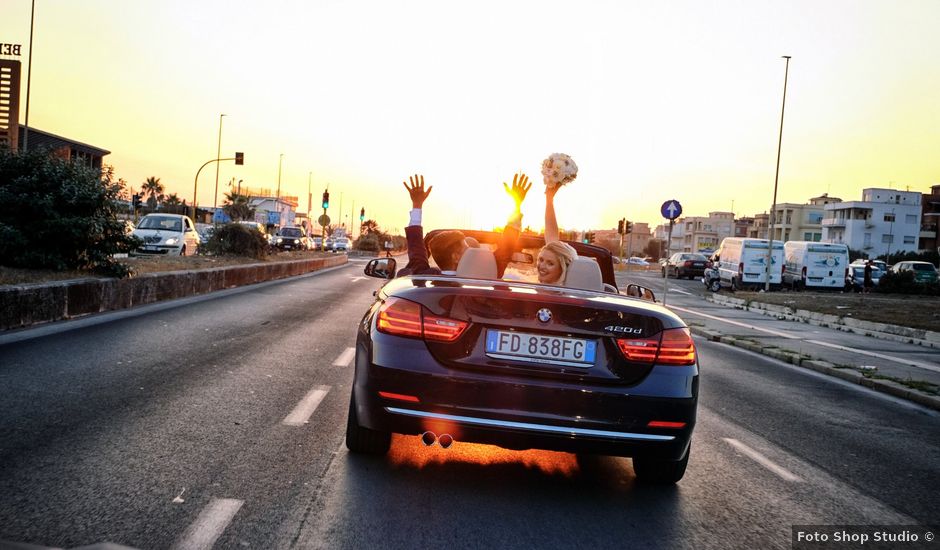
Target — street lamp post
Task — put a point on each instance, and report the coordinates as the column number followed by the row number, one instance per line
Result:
column 773, row 208
column 279, row 162
column 218, row 153
column 29, row 75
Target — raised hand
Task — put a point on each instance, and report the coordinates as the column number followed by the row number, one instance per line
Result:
column 416, row 191
column 520, row 187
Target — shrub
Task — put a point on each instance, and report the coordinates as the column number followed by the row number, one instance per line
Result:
column 369, row 243
column 904, row 283
column 239, row 240
column 59, row 215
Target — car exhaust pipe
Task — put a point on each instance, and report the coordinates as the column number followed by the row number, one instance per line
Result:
column 445, row 441
column 428, row 438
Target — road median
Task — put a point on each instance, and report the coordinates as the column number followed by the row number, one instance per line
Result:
column 30, row 304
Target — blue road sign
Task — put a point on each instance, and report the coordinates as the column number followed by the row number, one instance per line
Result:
column 219, row 216
column 671, row 209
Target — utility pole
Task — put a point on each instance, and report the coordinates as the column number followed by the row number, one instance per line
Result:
column 218, row 154
column 773, row 209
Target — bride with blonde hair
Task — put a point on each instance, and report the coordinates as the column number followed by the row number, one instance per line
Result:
column 555, row 257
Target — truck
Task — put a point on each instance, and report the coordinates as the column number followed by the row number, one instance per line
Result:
column 742, row 262
column 817, row 265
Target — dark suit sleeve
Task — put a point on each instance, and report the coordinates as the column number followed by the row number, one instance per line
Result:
column 505, row 248
column 417, row 253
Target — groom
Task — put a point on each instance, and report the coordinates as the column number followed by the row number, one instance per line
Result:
column 447, row 247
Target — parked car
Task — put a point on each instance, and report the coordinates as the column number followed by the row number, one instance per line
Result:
column 341, row 244
column 880, row 264
column 685, row 264
column 924, row 272
column 167, row 234
column 855, row 280
column 328, row 245
column 291, row 238
column 578, row 368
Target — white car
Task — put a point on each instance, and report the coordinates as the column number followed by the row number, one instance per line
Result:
column 341, row 243
column 166, row 234
column 636, row 260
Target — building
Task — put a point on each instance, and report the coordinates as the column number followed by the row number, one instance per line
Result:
column 760, row 226
column 274, row 211
column 678, row 237
column 930, row 220
column 885, row 221
column 9, row 103
column 64, row 148
column 801, row 222
column 704, row 234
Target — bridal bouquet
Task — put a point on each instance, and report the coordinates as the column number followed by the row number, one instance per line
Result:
column 559, row 169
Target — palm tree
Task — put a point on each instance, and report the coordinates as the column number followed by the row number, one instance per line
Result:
column 236, row 207
column 172, row 200
column 152, row 189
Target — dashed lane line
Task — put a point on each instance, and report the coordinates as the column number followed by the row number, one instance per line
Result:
column 780, row 471
column 301, row 413
column 345, row 358
column 209, row 526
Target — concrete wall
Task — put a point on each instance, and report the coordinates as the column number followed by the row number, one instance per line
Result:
column 25, row 305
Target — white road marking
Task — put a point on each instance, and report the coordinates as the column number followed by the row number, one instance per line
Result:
column 911, row 362
column 359, row 278
column 209, row 526
column 679, row 291
column 301, row 413
column 345, row 358
column 763, row 461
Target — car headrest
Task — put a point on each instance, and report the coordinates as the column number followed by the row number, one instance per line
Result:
column 477, row 263
column 585, row 274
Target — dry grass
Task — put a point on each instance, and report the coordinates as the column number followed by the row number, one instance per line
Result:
column 147, row 264
column 896, row 309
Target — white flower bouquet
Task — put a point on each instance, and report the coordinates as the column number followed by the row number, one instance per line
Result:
column 559, row 169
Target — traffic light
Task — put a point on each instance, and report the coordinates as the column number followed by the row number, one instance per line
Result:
column 628, row 228
column 620, row 227
column 239, row 158
column 362, row 215
column 135, row 200
column 326, row 200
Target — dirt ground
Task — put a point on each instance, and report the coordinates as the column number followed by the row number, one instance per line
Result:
column 148, row 264
column 896, row 309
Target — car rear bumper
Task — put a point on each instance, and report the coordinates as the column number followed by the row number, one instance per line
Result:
column 522, row 413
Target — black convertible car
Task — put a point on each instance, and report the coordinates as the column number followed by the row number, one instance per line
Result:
column 579, row 368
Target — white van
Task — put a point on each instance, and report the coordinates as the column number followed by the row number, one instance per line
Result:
column 815, row 265
column 743, row 262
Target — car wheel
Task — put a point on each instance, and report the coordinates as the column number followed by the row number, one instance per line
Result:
column 364, row 440
column 715, row 285
column 661, row 472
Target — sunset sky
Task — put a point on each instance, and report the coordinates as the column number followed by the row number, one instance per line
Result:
column 653, row 100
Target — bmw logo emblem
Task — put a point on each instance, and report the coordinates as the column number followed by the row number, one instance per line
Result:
column 544, row 315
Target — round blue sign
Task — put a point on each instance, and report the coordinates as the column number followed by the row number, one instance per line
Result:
column 671, row 209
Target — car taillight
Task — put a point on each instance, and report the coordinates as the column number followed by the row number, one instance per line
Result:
column 405, row 318
column 672, row 346
column 400, row 317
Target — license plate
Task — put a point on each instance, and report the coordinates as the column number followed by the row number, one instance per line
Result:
column 538, row 348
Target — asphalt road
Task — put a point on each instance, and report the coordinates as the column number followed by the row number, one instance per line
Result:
column 221, row 421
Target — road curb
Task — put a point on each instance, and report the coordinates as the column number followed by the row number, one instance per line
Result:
column 27, row 305
column 824, row 367
column 883, row 331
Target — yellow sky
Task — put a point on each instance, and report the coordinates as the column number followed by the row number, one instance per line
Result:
column 653, row 100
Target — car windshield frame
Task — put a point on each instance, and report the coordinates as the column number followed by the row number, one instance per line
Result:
column 156, row 223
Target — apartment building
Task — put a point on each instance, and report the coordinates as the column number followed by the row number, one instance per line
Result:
column 704, row 234
column 883, row 222
column 801, row 222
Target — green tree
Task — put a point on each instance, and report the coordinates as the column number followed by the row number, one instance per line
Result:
column 236, row 207
column 152, row 189
column 172, row 200
column 59, row 215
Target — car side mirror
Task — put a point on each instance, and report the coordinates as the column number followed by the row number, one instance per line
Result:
column 641, row 292
column 381, row 268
